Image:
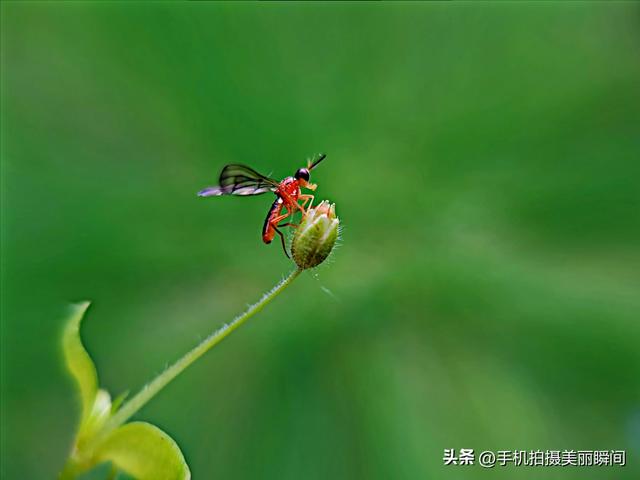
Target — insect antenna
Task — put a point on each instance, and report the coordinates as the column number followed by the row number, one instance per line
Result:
column 314, row 164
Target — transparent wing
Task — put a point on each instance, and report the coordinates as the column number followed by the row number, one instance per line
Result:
column 237, row 179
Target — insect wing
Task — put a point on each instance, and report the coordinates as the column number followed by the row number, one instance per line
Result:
column 211, row 192
column 237, row 179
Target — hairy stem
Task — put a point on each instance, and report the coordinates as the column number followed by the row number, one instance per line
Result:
column 158, row 383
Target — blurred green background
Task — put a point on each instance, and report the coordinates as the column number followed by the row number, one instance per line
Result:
column 484, row 161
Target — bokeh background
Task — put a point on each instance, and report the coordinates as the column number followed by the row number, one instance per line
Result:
column 484, row 159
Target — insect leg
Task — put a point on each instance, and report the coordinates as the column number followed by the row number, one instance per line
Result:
column 274, row 223
column 306, row 198
column 288, row 224
column 276, row 220
column 289, row 202
column 284, row 245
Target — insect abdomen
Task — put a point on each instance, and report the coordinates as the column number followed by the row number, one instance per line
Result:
column 268, row 232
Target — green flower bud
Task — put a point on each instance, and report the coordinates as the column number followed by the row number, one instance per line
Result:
column 316, row 236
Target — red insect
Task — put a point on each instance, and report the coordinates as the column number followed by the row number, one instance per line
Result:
column 237, row 179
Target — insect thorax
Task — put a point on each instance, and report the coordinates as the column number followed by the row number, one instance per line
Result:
column 289, row 186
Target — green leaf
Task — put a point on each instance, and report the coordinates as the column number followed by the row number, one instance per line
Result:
column 78, row 360
column 145, row 452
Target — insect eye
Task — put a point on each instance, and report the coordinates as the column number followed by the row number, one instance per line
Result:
column 302, row 173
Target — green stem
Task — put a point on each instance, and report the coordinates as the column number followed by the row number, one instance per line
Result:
column 158, row 383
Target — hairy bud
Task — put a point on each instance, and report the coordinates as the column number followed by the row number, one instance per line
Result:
column 316, row 236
